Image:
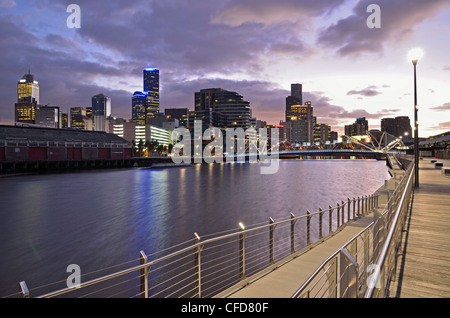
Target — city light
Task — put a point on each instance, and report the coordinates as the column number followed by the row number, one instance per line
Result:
column 415, row 54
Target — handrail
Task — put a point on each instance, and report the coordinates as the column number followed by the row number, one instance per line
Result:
column 382, row 258
column 382, row 222
column 366, row 203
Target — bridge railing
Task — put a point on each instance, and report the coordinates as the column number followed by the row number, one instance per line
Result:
column 364, row 266
column 208, row 267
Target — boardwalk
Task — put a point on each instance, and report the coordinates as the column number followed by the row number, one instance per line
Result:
column 424, row 265
column 287, row 278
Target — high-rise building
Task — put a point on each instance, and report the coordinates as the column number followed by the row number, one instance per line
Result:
column 403, row 126
column 296, row 98
column 302, row 123
column 28, row 89
column 48, row 116
column 182, row 114
column 399, row 126
column 359, row 128
column 222, row 108
column 77, row 117
column 101, row 109
column 138, row 108
column 27, row 99
column 151, row 88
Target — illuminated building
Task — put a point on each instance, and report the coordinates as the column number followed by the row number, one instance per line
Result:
column 138, row 109
column 77, row 117
column 28, row 89
column 222, row 108
column 151, row 89
column 48, row 116
column 101, row 109
column 27, row 99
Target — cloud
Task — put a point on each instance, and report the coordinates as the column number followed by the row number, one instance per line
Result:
column 444, row 107
column 268, row 12
column 369, row 91
column 399, row 19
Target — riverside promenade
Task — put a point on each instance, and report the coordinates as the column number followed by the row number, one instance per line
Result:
column 424, row 259
column 283, row 281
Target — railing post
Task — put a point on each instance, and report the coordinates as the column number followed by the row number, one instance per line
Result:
column 343, row 212
column 348, row 210
column 24, row 290
column 308, row 228
column 330, row 209
column 198, row 264
column 271, row 241
column 144, row 275
column 338, row 215
column 293, row 233
column 354, row 208
column 242, row 251
column 359, row 206
column 366, row 206
column 320, row 223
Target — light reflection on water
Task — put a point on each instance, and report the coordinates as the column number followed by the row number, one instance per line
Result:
column 98, row 219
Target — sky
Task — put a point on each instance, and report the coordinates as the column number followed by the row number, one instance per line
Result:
column 254, row 47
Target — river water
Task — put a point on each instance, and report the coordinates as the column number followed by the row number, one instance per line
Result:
column 98, row 219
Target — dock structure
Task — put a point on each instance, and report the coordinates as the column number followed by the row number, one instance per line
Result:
column 424, row 260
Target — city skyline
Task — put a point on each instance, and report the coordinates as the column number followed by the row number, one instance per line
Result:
column 255, row 50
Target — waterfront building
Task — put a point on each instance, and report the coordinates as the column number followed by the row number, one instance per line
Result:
column 301, row 124
column 221, row 108
column 25, row 112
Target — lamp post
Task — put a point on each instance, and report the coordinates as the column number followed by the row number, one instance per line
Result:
column 414, row 56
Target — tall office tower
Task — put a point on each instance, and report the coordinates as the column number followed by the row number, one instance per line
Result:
column 138, row 109
column 151, row 88
column 28, row 89
column 294, row 99
column 27, row 99
column 358, row 128
column 302, row 123
column 403, row 126
column 223, row 109
column 48, row 116
column 389, row 125
column 101, row 109
column 77, row 117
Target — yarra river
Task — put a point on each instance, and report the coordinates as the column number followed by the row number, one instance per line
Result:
column 100, row 218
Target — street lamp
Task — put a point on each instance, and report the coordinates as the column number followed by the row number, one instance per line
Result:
column 414, row 55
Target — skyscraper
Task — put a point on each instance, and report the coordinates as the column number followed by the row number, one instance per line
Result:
column 151, row 88
column 296, row 98
column 28, row 89
column 138, row 109
column 27, row 99
column 101, row 109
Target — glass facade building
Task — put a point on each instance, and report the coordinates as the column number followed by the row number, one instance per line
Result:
column 138, row 108
column 151, row 88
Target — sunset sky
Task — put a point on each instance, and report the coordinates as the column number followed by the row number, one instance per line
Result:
column 254, row 47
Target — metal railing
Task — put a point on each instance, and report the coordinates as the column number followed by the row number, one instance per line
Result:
column 214, row 266
column 365, row 265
